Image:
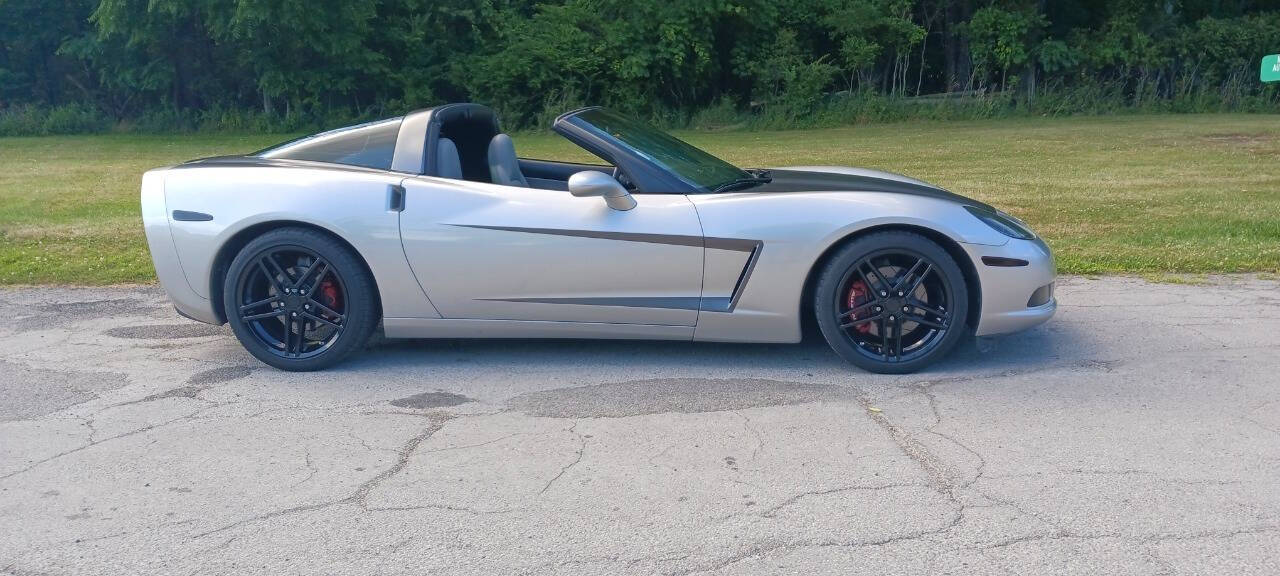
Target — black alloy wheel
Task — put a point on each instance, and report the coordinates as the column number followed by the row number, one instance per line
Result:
column 298, row 299
column 892, row 302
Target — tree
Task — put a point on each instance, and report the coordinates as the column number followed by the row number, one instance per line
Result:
column 1000, row 39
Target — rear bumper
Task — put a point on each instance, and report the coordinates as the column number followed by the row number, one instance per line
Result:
column 164, row 256
column 1007, row 291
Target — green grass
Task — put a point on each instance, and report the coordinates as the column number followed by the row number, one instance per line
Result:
column 1149, row 195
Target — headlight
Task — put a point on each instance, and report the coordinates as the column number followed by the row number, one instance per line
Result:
column 1002, row 223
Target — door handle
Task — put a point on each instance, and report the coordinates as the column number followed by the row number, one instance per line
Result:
column 395, row 198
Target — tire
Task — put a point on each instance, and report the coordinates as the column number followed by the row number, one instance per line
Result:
column 299, row 300
column 865, row 319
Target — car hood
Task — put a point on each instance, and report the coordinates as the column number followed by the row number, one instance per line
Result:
column 845, row 179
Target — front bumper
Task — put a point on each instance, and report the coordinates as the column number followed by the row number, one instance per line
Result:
column 1010, row 301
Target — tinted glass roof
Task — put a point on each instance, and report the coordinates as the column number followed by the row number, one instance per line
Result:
column 370, row 145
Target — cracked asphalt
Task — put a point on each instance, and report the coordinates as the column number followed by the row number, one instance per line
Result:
column 1136, row 433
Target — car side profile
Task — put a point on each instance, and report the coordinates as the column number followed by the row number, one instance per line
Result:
column 430, row 225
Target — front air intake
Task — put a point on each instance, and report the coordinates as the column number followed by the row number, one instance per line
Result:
column 1041, row 296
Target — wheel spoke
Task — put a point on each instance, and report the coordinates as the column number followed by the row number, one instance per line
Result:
column 284, row 276
column 866, row 281
column 897, row 338
column 272, row 314
column 288, row 334
column 884, row 338
column 320, row 319
column 264, row 301
column 290, row 338
column 302, row 277
column 316, row 285
column 897, row 286
column 930, row 309
column 914, row 285
column 861, row 321
column 317, row 263
column 855, row 310
column 924, row 321
column 271, row 277
column 884, row 284
column 326, row 309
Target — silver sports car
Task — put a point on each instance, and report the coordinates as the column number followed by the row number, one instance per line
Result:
column 431, row 225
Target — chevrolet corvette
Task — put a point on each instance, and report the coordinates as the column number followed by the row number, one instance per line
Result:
column 430, row 225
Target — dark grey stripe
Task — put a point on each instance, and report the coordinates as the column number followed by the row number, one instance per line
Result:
column 717, row 305
column 736, row 244
column 667, row 302
column 187, row 216
column 671, row 302
column 672, row 239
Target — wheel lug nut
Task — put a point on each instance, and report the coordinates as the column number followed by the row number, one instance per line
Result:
column 883, row 293
column 878, row 308
column 906, row 309
column 891, row 318
column 295, row 314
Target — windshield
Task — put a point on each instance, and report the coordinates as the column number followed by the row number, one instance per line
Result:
column 676, row 156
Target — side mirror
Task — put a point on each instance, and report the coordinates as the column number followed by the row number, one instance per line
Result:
column 593, row 183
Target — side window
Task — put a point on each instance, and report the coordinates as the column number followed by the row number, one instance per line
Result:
column 369, row 145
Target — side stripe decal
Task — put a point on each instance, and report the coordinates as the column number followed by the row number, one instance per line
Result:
column 753, row 247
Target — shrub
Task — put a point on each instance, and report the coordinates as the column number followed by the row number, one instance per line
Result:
column 31, row 120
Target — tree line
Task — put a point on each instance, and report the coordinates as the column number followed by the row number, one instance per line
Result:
column 71, row 65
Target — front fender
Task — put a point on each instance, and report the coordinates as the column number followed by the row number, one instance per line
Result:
column 795, row 230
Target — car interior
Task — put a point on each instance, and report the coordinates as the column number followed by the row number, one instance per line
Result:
column 471, row 147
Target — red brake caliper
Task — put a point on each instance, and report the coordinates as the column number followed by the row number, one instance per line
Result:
column 859, row 295
column 329, row 295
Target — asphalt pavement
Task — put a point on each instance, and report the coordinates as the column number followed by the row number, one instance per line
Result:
column 1136, row 433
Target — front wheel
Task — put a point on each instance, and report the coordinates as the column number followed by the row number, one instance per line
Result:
column 299, row 300
column 891, row 302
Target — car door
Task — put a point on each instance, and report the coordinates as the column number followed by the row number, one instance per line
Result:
column 483, row 251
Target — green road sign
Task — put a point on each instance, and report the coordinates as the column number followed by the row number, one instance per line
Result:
column 1271, row 68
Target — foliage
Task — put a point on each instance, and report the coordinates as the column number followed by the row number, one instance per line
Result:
column 1001, row 39
column 298, row 64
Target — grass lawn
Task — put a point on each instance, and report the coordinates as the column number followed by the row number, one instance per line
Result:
column 1135, row 194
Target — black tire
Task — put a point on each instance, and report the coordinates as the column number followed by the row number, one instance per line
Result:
column 315, row 306
column 866, row 321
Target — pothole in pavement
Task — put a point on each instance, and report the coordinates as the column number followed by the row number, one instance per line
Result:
column 164, row 331
column 663, row 395
column 431, row 400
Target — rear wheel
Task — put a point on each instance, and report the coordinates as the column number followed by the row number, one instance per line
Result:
column 891, row 302
column 298, row 299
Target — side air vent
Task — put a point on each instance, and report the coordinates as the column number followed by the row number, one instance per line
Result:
column 188, row 216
